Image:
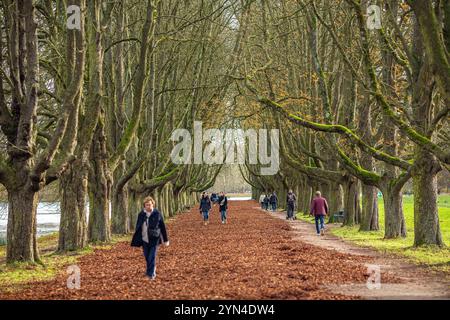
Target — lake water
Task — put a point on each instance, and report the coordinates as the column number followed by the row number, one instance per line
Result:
column 48, row 216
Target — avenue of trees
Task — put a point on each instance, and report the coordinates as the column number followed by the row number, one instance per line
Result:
column 92, row 109
column 367, row 108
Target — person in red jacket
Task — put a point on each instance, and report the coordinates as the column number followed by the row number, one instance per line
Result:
column 319, row 208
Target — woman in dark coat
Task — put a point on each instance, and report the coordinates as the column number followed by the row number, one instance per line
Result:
column 223, row 206
column 205, row 206
column 273, row 201
column 266, row 202
column 150, row 232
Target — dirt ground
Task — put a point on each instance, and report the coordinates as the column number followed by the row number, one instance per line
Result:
column 417, row 282
column 255, row 255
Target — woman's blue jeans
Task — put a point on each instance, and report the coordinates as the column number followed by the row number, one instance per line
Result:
column 150, row 258
column 223, row 215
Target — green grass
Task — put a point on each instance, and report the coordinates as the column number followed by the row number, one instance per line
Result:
column 14, row 276
column 437, row 258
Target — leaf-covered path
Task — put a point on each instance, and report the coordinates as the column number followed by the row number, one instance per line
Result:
column 252, row 257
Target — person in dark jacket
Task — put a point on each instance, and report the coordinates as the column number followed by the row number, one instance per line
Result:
column 150, row 232
column 273, row 201
column 290, row 205
column 266, row 202
column 319, row 208
column 214, row 197
column 205, row 206
column 223, row 206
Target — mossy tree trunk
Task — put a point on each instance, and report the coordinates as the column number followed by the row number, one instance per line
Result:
column 426, row 218
column 74, row 192
column 100, row 181
column 21, row 229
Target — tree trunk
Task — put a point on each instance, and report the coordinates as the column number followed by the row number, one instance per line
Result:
column 394, row 221
column 307, row 196
column 369, row 214
column 120, row 218
column 334, row 198
column 99, row 190
column 134, row 207
column 351, row 202
column 99, row 222
column 426, row 219
column 21, row 229
column 73, row 223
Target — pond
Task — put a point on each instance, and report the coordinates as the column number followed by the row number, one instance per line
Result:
column 48, row 216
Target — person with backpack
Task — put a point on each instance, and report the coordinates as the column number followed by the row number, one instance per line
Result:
column 266, row 202
column 223, row 206
column 273, row 201
column 319, row 208
column 205, row 206
column 150, row 232
column 290, row 204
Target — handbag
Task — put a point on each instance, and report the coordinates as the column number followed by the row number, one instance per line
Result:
column 154, row 233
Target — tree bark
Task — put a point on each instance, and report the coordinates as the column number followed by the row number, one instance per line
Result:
column 426, row 219
column 394, row 221
column 21, row 229
column 99, row 189
column 74, row 191
column 351, row 202
column 120, row 217
column 369, row 214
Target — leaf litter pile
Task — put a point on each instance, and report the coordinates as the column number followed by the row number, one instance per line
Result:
column 251, row 257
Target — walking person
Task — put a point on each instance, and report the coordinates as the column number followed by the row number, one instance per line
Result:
column 261, row 200
column 223, row 206
column 290, row 204
column 273, row 201
column 150, row 232
column 266, row 202
column 205, row 206
column 319, row 208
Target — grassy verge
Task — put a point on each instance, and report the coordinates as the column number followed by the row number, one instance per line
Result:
column 437, row 258
column 16, row 275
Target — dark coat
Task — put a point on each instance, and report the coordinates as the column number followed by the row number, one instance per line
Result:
column 155, row 220
column 273, row 198
column 225, row 203
column 290, row 200
column 205, row 204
